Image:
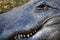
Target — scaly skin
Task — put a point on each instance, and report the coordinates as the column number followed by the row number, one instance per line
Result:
column 42, row 13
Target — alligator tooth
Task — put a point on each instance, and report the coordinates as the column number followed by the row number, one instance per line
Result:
column 18, row 36
column 15, row 37
column 35, row 30
column 23, row 35
column 28, row 35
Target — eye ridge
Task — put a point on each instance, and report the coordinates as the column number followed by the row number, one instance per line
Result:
column 45, row 6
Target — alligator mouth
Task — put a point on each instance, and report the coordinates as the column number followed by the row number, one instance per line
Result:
column 26, row 34
column 31, row 32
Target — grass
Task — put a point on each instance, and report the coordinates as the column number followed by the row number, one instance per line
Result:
column 7, row 5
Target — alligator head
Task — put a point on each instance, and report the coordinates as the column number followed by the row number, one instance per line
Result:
column 36, row 20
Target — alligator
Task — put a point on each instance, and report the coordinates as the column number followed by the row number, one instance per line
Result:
column 35, row 20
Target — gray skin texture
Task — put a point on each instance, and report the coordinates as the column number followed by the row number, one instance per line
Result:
column 26, row 17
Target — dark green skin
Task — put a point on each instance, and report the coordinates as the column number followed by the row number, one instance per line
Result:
column 26, row 17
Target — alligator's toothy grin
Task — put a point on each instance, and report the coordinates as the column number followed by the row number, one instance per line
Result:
column 24, row 35
column 32, row 31
column 38, row 20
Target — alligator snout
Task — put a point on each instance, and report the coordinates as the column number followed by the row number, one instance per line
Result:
column 38, row 20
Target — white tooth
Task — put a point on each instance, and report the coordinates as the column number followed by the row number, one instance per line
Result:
column 18, row 36
column 28, row 35
column 35, row 30
column 15, row 37
column 23, row 35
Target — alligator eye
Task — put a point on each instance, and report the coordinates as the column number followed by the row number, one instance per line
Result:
column 43, row 7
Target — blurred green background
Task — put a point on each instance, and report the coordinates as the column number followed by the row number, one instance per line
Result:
column 6, row 5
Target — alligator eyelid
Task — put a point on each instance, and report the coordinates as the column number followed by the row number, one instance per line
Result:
column 45, row 6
